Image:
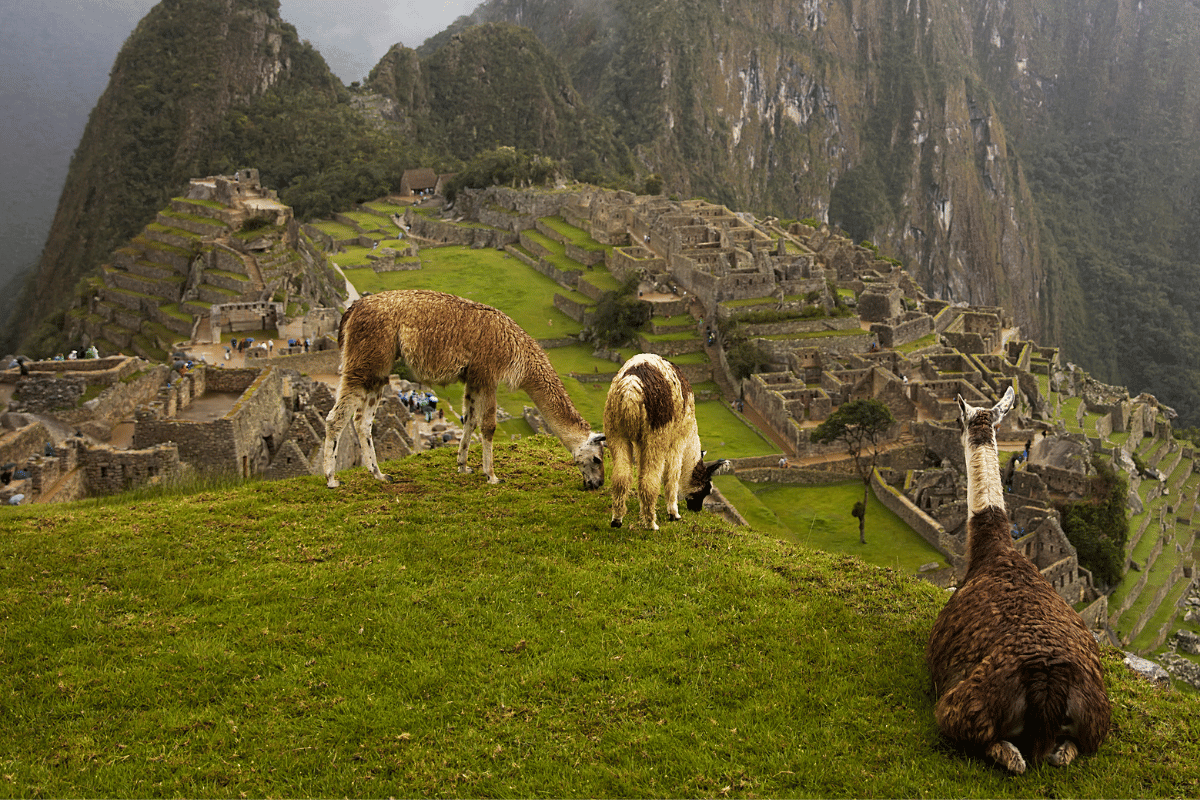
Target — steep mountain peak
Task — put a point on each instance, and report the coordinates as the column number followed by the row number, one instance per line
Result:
column 182, row 69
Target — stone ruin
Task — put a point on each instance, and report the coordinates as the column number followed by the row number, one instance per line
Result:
column 275, row 426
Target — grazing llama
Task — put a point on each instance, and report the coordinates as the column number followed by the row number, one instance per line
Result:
column 1016, row 672
column 444, row 339
column 650, row 419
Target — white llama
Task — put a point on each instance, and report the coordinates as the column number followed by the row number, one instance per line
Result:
column 1016, row 672
column 444, row 339
column 650, row 420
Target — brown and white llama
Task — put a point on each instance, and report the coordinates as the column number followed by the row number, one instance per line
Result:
column 650, row 420
column 1015, row 670
column 445, row 339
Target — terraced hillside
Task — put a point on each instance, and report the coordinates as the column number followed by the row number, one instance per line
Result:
column 225, row 241
column 1145, row 608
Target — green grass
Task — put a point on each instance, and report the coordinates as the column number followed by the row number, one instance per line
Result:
column 489, row 276
column 819, row 516
column 557, row 252
column 749, row 302
column 353, row 256
column 370, row 222
column 337, row 230
column 601, row 278
column 756, row 513
column 576, row 236
column 386, row 208
column 172, row 310
column 438, row 636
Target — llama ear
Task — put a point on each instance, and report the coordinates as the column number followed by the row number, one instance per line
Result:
column 964, row 410
column 1004, row 406
column 713, row 467
column 596, row 438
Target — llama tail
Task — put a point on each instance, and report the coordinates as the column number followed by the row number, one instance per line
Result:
column 628, row 402
column 342, row 325
column 1048, row 684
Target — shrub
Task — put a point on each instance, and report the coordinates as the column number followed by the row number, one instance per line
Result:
column 1098, row 527
column 620, row 315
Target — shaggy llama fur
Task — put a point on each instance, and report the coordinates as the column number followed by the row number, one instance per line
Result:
column 650, row 420
column 444, row 339
column 1016, row 672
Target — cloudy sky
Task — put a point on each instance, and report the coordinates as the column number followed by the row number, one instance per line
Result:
column 353, row 35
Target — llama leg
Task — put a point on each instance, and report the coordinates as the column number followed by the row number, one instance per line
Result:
column 1063, row 754
column 622, row 477
column 969, row 715
column 470, row 422
column 672, row 479
column 348, row 403
column 487, row 429
column 649, row 483
column 1007, row 755
column 366, row 438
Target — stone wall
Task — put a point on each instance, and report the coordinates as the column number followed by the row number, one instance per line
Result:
column 794, row 326
column 48, row 394
column 103, row 371
column 17, row 445
column 575, row 309
column 325, row 362
column 240, row 442
column 450, row 232
column 902, row 333
column 926, row 526
column 838, row 345
column 109, row 470
column 119, row 401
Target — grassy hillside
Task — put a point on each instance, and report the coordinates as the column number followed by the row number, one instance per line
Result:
column 441, row 637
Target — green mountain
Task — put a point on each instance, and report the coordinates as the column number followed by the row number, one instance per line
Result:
column 1043, row 155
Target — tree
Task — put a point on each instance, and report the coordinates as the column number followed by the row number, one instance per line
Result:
column 858, row 424
column 619, row 315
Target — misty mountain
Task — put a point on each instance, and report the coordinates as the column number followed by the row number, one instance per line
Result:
column 1038, row 154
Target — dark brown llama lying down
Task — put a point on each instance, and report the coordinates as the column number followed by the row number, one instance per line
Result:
column 1016, row 672
column 650, row 421
column 445, row 339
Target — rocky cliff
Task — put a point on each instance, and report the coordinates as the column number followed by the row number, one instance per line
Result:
column 1040, row 154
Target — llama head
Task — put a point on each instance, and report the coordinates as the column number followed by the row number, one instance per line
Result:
column 700, row 482
column 589, row 457
column 979, row 424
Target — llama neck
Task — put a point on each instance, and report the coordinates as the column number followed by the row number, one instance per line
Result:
column 546, row 389
column 984, row 487
column 988, row 528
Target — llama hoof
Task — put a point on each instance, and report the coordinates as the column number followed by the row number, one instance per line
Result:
column 383, row 476
column 674, row 517
column 1063, row 754
column 333, row 483
column 464, row 469
column 1008, row 756
column 616, row 523
column 493, row 480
